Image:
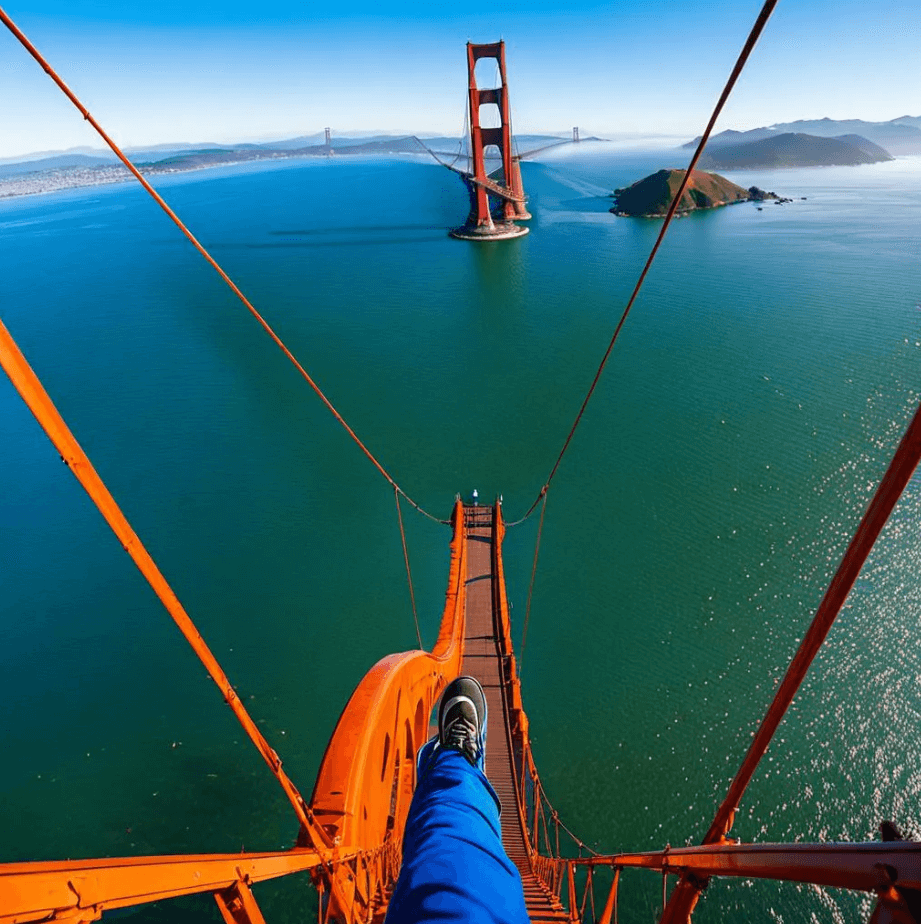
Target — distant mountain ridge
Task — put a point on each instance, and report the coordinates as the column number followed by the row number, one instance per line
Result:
column 176, row 157
column 897, row 136
column 792, row 149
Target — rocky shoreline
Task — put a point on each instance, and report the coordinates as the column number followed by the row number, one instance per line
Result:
column 652, row 196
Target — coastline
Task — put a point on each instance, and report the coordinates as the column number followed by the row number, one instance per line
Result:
column 59, row 179
column 45, row 182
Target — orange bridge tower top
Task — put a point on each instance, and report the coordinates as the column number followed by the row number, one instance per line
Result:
column 497, row 201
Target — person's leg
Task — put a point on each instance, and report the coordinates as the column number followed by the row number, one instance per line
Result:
column 455, row 868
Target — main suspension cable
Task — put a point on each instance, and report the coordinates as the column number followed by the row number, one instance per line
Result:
column 890, row 488
column 27, row 383
column 753, row 37
column 46, row 67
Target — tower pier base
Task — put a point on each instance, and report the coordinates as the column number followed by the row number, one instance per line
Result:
column 500, row 230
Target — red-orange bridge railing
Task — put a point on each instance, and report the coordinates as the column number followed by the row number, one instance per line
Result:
column 362, row 795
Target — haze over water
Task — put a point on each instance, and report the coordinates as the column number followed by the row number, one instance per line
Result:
column 755, row 397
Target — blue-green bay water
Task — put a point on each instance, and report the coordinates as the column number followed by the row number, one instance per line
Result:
column 756, row 394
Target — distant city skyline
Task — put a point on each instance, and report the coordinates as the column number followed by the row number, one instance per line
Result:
column 202, row 72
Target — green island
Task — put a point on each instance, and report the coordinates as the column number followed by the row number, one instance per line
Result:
column 652, row 196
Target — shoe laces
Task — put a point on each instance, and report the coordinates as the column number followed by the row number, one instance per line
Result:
column 461, row 735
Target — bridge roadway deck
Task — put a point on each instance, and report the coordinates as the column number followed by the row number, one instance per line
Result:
column 482, row 660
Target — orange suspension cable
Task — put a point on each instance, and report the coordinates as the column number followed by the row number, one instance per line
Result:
column 34, row 52
column 753, row 37
column 900, row 470
column 409, row 574
column 527, row 611
column 890, row 488
column 40, row 404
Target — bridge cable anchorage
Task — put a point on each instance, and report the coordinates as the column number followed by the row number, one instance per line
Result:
column 36, row 54
column 30, row 388
column 903, row 464
column 752, row 40
column 527, row 611
column 409, row 574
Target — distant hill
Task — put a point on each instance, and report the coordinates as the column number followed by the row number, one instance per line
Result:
column 58, row 162
column 177, row 157
column 49, row 171
column 895, row 137
column 651, row 196
column 793, row 149
column 898, row 136
column 867, row 146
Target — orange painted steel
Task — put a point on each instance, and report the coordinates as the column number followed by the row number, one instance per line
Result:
column 351, row 834
column 841, row 866
column 367, row 775
column 361, row 796
column 80, row 890
column 904, row 462
column 40, row 404
column 891, row 870
column 510, row 190
column 238, row 905
column 517, row 720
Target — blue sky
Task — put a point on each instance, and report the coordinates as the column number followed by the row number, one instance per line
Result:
column 189, row 70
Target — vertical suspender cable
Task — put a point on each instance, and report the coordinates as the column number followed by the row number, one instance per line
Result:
column 409, row 574
column 527, row 611
column 40, row 404
column 36, row 54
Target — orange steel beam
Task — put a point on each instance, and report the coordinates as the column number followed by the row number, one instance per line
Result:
column 40, row 404
column 517, row 724
column 81, row 890
column 903, row 464
column 383, row 726
column 869, row 867
column 237, row 905
column 367, row 775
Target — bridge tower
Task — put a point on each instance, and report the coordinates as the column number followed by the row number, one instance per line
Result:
column 495, row 203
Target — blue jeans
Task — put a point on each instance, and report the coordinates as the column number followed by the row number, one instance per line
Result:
column 455, row 869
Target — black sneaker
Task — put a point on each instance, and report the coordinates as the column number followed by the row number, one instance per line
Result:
column 462, row 720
